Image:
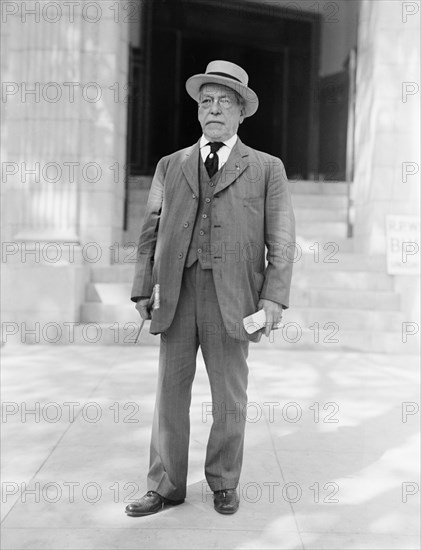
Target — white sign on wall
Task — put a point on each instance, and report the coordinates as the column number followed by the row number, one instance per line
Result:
column 403, row 245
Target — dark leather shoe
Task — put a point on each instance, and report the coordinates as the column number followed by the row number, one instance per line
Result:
column 151, row 503
column 226, row 501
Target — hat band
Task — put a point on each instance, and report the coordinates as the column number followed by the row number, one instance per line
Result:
column 227, row 76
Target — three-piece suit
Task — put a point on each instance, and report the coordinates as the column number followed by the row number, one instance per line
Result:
column 215, row 245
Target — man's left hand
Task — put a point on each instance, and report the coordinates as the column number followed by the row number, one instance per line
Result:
column 273, row 312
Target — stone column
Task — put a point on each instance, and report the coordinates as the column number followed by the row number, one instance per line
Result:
column 64, row 73
column 387, row 118
column 387, row 144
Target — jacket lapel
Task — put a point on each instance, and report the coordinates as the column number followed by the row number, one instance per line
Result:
column 236, row 164
column 190, row 167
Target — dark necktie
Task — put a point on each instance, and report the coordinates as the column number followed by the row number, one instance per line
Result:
column 212, row 159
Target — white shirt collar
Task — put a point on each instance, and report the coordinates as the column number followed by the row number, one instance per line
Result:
column 229, row 142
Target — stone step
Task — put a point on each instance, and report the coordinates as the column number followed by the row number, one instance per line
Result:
column 344, row 299
column 108, row 293
column 343, row 243
column 288, row 337
column 329, row 257
column 118, row 273
column 96, row 312
column 323, row 215
column 318, row 187
column 140, row 182
column 351, row 280
column 343, row 319
column 321, row 229
column 318, row 201
column 138, row 196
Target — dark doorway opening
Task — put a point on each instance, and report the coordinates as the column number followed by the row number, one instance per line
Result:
column 334, row 105
column 277, row 47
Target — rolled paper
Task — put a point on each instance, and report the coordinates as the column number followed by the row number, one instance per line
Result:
column 156, row 300
column 255, row 322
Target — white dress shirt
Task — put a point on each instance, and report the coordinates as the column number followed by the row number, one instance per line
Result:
column 223, row 153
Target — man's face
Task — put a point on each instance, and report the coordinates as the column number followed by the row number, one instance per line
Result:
column 219, row 112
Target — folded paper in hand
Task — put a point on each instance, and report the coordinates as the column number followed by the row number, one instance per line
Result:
column 255, row 322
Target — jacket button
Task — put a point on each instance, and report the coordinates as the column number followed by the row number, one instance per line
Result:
column 186, row 224
column 180, row 255
column 193, row 196
column 204, row 216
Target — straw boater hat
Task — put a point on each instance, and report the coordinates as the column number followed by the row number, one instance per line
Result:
column 228, row 74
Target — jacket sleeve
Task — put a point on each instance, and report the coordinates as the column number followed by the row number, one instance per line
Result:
column 279, row 236
column 142, row 284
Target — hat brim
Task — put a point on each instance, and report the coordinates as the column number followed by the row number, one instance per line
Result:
column 194, row 83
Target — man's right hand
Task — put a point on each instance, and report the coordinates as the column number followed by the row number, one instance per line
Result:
column 142, row 308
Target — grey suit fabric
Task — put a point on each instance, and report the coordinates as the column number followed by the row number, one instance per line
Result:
column 202, row 226
column 198, row 321
column 251, row 210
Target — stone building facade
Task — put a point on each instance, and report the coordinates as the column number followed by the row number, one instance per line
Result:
column 65, row 183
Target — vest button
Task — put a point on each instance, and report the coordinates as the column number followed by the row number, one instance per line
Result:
column 201, row 232
column 211, row 184
column 204, row 216
column 199, row 250
column 207, row 200
column 186, row 224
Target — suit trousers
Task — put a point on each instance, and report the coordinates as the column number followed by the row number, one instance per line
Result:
column 198, row 322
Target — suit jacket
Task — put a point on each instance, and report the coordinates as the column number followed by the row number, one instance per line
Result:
column 251, row 214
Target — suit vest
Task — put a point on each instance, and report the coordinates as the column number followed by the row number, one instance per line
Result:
column 200, row 246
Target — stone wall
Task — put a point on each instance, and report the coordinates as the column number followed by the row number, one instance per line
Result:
column 387, row 140
column 64, row 72
column 387, row 119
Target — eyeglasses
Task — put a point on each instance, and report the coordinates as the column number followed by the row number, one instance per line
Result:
column 224, row 102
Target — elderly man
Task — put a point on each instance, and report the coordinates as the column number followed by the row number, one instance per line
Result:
column 213, row 210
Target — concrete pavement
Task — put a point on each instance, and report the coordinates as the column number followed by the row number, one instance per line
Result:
column 331, row 457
